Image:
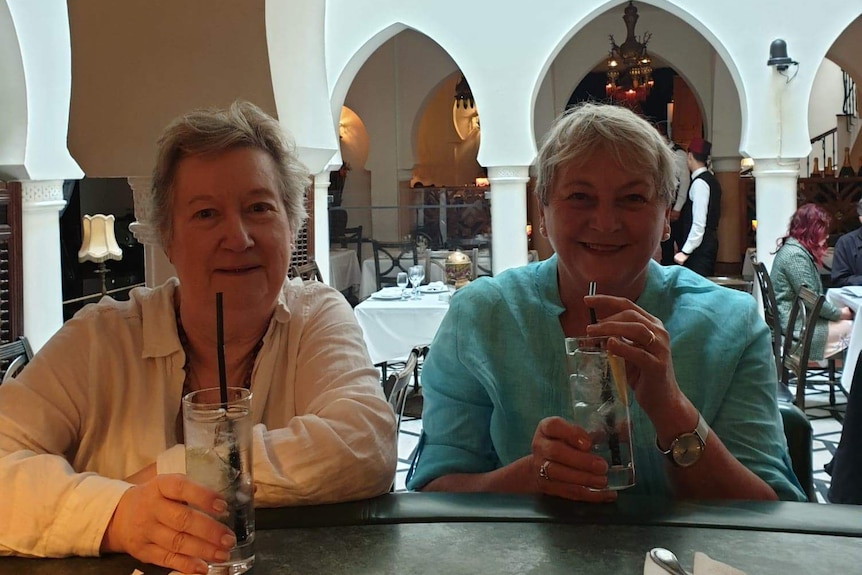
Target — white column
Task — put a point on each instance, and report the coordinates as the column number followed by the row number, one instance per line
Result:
column 775, row 196
column 41, row 203
column 321, row 223
column 157, row 267
column 508, row 216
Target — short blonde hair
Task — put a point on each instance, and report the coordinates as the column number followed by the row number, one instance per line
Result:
column 206, row 132
column 590, row 127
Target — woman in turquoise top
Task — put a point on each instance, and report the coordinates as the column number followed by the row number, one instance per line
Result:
column 496, row 398
column 795, row 265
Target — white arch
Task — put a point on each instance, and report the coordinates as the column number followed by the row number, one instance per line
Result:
column 35, row 52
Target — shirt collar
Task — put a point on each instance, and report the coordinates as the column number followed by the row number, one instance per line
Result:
column 698, row 172
column 159, row 320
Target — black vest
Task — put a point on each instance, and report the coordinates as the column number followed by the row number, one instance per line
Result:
column 713, row 211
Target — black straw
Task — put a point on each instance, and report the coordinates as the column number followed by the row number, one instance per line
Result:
column 240, row 519
column 222, row 372
column 607, row 395
column 592, row 311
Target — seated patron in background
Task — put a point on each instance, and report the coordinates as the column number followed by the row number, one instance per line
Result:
column 495, row 383
column 91, row 430
column 698, row 221
column 847, row 259
column 795, row 265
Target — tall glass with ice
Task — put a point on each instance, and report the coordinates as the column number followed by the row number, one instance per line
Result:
column 218, row 456
column 600, row 404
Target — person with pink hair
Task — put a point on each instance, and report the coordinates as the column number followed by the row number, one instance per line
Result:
column 795, row 265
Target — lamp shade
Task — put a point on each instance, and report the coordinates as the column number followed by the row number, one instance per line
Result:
column 99, row 243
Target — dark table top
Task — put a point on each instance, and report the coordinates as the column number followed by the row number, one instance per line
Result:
column 449, row 533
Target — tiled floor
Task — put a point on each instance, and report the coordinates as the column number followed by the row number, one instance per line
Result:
column 407, row 440
column 825, row 421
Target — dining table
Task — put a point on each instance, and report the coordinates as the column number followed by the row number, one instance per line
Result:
column 850, row 296
column 468, row 533
column 392, row 327
column 433, row 260
column 343, row 269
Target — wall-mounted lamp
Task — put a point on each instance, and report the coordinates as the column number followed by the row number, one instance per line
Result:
column 778, row 57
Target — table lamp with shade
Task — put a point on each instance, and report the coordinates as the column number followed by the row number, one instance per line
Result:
column 99, row 244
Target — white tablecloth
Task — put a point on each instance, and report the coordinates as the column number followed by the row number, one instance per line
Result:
column 851, row 297
column 343, row 268
column 434, row 272
column 392, row 328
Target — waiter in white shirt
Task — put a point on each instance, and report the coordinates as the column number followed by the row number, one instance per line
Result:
column 683, row 179
column 700, row 213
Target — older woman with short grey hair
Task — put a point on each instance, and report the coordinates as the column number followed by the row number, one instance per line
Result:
column 497, row 413
column 91, row 453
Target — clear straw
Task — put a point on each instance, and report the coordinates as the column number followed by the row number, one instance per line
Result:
column 592, row 311
column 222, row 372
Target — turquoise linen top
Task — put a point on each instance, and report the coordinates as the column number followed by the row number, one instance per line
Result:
column 497, row 367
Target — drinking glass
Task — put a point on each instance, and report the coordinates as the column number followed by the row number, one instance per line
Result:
column 600, row 405
column 416, row 274
column 218, row 443
column 401, row 281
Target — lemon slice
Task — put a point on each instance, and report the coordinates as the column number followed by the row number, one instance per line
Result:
column 618, row 372
column 207, row 468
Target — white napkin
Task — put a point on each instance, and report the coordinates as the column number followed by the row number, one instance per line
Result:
column 703, row 565
column 436, row 286
column 389, row 291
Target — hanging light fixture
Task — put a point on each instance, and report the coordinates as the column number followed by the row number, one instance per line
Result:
column 463, row 94
column 629, row 65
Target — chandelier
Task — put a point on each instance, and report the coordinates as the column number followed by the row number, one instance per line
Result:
column 629, row 66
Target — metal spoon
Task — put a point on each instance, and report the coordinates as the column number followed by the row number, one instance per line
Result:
column 667, row 561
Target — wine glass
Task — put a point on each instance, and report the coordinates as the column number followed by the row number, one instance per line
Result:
column 401, row 281
column 416, row 275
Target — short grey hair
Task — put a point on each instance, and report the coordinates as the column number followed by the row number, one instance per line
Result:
column 589, row 127
column 211, row 131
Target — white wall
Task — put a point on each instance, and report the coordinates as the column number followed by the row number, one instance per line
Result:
column 826, row 101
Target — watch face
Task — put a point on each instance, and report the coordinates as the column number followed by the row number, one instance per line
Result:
column 686, row 449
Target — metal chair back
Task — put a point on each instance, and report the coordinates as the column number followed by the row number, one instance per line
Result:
column 307, row 272
column 13, row 357
column 770, row 309
column 352, row 236
column 797, row 340
column 389, row 260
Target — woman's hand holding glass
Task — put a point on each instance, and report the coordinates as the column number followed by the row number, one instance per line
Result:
column 159, row 522
column 560, row 464
column 641, row 340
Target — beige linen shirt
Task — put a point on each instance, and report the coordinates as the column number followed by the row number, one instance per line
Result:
column 100, row 402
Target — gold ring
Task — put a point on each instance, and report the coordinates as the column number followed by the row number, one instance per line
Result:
column 543, row 471
column 651, row 337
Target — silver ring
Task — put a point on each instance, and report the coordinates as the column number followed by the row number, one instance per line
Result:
column 651, row 337
column 543, row 471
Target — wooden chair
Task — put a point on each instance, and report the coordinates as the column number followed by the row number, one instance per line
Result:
column 395, row 252
column 307, row 272
column 797, row 345
column 770, row 310
column 349, row 237
column 13, row 357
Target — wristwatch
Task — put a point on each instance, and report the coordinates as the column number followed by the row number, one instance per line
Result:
column 687, row 448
